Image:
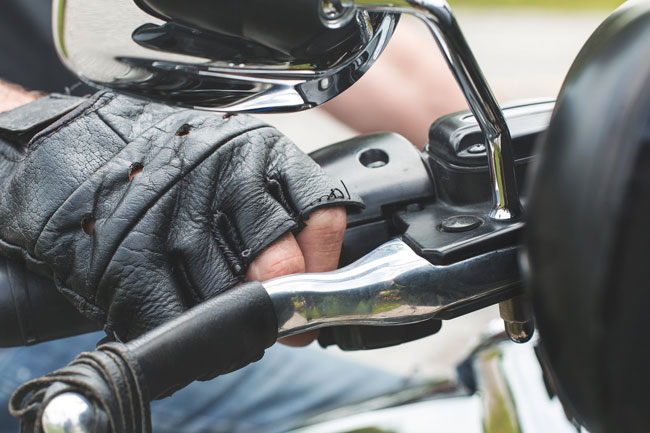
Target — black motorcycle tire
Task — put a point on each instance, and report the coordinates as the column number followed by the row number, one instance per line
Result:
column 589, row 230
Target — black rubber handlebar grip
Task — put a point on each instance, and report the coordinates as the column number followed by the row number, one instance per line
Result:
column 216, row 337
column 32, row 310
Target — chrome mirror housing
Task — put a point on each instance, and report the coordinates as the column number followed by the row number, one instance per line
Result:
column 217, row 54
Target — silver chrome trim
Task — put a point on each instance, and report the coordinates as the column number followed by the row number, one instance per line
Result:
column 68, row 413
column 390, row 286
column 443, row 25
column 117, row 45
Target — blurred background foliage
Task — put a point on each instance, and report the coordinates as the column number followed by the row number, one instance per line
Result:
column 545, row 4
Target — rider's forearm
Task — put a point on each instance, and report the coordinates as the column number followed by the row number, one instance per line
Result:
column 404, row 92
column 13, row 95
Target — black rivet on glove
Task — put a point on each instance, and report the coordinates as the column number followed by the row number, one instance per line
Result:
column 135, row 169
column 88, row 224
column 183, row 130
column 227, row 116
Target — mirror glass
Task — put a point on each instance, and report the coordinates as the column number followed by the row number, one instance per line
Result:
column 239, row 56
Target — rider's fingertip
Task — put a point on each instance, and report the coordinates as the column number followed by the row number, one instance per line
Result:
column 300, row 340
column 321, row 240
column 333, row 218
column 282, row 257
column 325, row 229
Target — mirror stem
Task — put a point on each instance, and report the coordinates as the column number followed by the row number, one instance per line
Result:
column 443, row 25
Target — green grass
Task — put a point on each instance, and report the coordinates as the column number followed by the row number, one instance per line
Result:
column 546, row 4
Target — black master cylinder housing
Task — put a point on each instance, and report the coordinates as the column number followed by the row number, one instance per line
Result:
column 290, row 30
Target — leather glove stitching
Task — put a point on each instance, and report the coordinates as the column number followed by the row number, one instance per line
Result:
column 162, row 193
column 335, row 194
column 81, row 112
column 75, row 115
column 278, row 186
column 228, row 240
column 87, row 308
column 251, row 253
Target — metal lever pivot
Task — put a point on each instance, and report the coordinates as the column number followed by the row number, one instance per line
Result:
column 391, row 286
column 443, row 25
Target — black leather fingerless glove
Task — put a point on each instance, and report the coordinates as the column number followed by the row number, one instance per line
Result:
column 139, row 211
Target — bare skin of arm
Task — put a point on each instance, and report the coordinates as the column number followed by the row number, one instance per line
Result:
column 12, row 96
column 315, row 249
column 408, row 88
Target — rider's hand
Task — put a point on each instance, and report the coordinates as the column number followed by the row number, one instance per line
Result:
column 139, row 211
column 315, row 249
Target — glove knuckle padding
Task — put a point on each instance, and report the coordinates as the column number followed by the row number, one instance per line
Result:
column 134, row 249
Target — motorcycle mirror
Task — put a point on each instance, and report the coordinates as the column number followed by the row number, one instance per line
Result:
column 267, row 55
column 226, row 55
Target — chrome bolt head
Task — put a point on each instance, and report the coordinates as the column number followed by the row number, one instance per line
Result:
column 68, row 413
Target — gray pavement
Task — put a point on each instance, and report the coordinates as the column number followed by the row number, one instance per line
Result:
column 524, row 54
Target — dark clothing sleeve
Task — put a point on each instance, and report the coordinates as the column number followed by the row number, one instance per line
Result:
column 27, row 54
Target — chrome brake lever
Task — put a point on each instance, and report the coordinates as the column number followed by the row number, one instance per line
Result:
column 392, row 285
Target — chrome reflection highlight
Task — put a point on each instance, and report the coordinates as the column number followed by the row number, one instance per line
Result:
column 333, row 13
column 68, row 413
column 116, row 45
column 517, row 315
column 390, row 286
